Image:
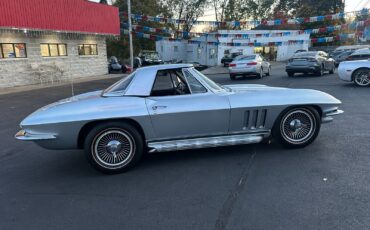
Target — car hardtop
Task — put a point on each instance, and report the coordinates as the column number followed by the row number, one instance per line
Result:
column 361, row 51
column 307, row 54
column 140, row 82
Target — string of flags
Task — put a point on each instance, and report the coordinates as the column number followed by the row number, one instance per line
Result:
column 243, row 43
column 184, row 34
column 292, row 21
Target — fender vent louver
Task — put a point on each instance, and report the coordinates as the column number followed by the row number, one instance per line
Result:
column 255, row 119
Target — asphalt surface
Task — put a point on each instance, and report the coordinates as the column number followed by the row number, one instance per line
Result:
column 323, row 186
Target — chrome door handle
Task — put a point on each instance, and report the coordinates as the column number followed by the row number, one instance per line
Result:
column 159, row 107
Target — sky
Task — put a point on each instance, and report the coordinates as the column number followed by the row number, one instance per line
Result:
column 351, row 5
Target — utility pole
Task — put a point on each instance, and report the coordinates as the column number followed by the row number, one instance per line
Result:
column 130, row 33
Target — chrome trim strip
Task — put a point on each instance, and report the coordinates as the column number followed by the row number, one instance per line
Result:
column 328, row 117
column 24, row 136
column 334, row 113
column 205, row 142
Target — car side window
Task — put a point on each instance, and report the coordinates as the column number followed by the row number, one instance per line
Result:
column 169, row 82
column 194, row 85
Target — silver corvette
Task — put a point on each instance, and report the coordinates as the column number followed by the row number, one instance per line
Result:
column 355, row 71
column 175, row 107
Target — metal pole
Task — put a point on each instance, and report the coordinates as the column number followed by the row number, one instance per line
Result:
column 130, row 33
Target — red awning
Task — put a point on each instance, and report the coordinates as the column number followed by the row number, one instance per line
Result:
column 60, row 15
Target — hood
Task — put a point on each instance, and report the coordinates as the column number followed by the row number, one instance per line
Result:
column 279, row 95
column 62, row 107
column 80, row 97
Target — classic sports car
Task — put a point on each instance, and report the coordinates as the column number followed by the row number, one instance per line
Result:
column 356, row 71
column 175, row 107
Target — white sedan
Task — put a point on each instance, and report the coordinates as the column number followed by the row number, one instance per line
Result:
column 355, row 71
column 253, row 64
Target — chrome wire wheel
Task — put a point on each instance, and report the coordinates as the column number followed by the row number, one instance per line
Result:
column 362, row 78
column 113, row 148
column 298, row 126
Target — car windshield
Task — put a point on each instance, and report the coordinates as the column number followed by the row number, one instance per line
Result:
column 120, row 86
column 243, row 57
column 305, row 54
column 151, row 55
column 208, row 81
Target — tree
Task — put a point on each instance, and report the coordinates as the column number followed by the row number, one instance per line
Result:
column 120, row 47
column 238, row 10
column 220, row 8
column 103, row 2
column 187, row 10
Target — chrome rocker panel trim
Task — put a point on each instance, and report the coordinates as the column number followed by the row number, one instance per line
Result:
column 206, row 142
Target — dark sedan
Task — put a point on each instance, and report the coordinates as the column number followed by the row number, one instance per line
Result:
column 316, row 62
column 228, row 58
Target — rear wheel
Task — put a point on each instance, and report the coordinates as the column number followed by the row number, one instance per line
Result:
column 332, row 70
column 232, row 76
column 260, row 75
column 297, row 127
column 268, row 72
column 290, row 74
column 320, row 72
column 113, row 147
column 361, row 77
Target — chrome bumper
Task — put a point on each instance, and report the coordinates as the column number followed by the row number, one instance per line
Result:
column 24, row 136
column 328, row 117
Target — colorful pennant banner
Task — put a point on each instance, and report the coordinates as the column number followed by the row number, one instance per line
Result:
column 246, row 43
column 273, row 22
column 352, row 26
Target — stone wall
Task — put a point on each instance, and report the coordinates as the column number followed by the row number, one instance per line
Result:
column 36, row 69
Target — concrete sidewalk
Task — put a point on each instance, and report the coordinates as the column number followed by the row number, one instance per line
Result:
column 48, row 85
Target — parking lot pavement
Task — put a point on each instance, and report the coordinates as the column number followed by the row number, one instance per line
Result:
column 264, row 186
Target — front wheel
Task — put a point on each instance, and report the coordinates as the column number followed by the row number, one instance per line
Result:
column 113, row 147
column 297, row 127
column 361, row 77
column 290, row 74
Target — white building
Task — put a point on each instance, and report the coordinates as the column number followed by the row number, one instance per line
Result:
column 277, row 45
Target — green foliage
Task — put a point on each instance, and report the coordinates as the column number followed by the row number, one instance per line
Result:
column 120, row 47
column 188, row 10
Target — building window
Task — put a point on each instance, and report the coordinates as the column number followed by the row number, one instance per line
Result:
column 175, row 49
column 212, row 53
column 13, row 50
column 53, row 50
column 87, row 49
column 199, row 52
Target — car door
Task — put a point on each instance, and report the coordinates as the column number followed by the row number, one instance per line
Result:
column 328, row 62
column 180, row 106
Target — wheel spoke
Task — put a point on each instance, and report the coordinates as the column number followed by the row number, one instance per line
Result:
column 297, row 126
column 113, row 148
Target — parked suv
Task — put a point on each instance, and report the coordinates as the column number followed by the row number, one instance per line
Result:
column 316, row 62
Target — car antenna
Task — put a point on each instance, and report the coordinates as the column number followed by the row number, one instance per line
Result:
column 71, row 81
